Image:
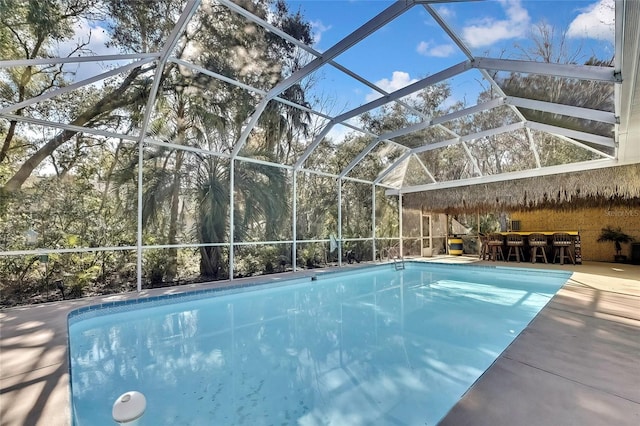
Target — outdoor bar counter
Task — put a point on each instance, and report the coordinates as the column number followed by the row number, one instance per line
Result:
column 576, row 245
column 547, row 233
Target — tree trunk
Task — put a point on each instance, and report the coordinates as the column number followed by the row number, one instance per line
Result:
column 7, row 140
column 210, row 259
column 172, row 267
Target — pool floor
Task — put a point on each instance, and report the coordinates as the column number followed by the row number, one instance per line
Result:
column 380, row 347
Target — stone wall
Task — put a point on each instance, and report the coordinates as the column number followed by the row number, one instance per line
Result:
column 589, row 222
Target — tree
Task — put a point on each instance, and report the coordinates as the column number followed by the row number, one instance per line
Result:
column 196, row 110
column 140, row 26
column 28, row 30
column 185, row 195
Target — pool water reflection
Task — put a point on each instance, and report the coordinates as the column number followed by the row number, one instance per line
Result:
column 373, row 348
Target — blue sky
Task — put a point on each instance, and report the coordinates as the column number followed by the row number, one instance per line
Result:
column 414, row 46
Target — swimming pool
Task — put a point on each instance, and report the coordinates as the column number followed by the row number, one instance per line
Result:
column 369, row 347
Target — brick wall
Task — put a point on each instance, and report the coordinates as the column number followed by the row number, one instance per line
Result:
column 589, row 222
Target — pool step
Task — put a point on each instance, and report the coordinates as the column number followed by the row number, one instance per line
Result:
column 398, row 263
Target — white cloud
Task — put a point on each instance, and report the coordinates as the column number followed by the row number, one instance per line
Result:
column 428, row 48
column 318, row 29
column 489, row 30
column 597, row 22
column 398, row 80
column 445, row 12
column 96, row 37
column 83, row 29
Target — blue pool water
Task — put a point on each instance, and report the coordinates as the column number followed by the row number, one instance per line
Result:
column 376, row 347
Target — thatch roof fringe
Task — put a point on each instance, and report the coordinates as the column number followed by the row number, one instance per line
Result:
column 607, row 187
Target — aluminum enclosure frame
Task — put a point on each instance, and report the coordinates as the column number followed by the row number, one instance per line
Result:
column 623, row 75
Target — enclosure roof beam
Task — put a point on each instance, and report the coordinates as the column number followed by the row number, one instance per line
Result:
column 318, row 139
column 172, row 41
column 449, row 142
column 312, row 146
column 532, row 146
column 469, row 137
column 74, row 86
column 251, row 123
column 269, row 27
column 398, row 162
column 618, row 35
column 392, row 166
column 447, row 130
column 444, row 118
column 264, row 162
column 555, row 108
column 584, row 146
column 581, row 72
column 378, row 21
column 473, row 160
column 502, row 177
column 256, row 90
column 447, row 29
column 525, row 103
column 407, row 90
column 461, row 140
column 444, row 1
column 493, row 103
column 359, row 157
column 318, row 172
column 71, row 127
column 424, row 166
column 367, row 150
column 462, row 46
column 433, row 79
column 575, row 134
column 75, row 59
column 175, row 146
column 245, row 86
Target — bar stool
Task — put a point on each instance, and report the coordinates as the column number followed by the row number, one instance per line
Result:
column 495, row 241
column 538, row 241
column 562, row 241
column 515, row 241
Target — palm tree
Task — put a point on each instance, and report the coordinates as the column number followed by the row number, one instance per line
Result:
column 260, row 203
column 196, row 110
column 615, row 235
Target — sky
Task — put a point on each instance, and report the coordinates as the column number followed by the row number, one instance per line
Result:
column 414, row 46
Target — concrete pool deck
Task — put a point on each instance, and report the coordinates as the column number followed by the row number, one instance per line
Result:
column 577, row 363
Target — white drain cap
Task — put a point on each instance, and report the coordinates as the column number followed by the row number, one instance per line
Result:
column 128, row 407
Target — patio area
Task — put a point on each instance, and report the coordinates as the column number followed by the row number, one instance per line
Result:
column 576, row 363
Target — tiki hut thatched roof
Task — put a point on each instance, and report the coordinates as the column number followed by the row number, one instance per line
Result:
column 607, row 187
